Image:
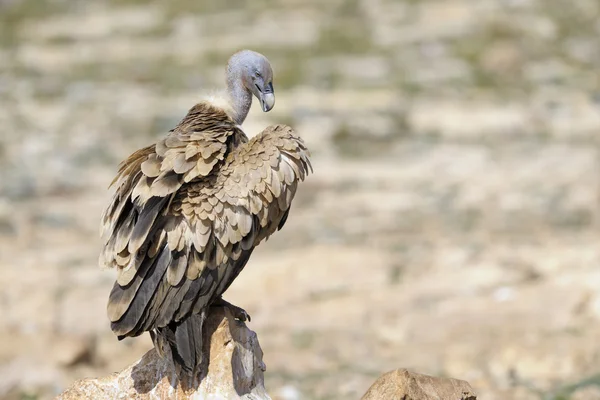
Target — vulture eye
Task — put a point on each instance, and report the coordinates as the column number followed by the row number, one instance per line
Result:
column 257, row 74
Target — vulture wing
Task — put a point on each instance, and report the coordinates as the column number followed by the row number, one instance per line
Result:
column 186, row 216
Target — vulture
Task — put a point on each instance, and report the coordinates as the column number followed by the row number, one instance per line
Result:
column 188, row 211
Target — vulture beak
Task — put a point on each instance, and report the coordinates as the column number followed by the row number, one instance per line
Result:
column 267, row 98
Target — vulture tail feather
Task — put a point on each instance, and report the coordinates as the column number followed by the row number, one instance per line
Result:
column 184, row 339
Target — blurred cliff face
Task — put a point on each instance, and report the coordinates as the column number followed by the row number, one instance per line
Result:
column 455, row 194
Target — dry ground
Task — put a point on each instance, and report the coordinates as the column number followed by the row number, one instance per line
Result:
column 452, row 224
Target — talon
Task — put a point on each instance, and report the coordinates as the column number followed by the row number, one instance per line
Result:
column 237, row 312
column 240, row 314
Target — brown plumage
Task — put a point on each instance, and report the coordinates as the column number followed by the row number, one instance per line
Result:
column 185, row 217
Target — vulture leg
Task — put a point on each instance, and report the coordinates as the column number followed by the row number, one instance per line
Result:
column 238, row 312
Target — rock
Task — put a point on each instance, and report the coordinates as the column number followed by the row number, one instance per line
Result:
column 406, row 385
column 233, row 370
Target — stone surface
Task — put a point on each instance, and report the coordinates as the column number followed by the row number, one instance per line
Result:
column 406, row 385
column 233, row 369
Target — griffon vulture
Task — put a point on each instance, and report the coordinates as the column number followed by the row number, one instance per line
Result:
column 189, row 210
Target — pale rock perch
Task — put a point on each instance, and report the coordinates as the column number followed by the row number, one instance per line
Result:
column 232, row 370
column 189, row 210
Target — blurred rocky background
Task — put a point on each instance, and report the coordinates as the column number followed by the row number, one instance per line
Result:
column 452, row 225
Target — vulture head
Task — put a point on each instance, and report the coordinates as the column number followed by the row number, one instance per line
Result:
column 253, row 72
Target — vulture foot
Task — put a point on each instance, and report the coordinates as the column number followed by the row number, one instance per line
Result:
column 238, row 312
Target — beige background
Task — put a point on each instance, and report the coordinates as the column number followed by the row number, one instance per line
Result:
column 451, row 226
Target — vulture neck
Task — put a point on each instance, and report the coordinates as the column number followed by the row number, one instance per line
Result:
column 240, row 98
